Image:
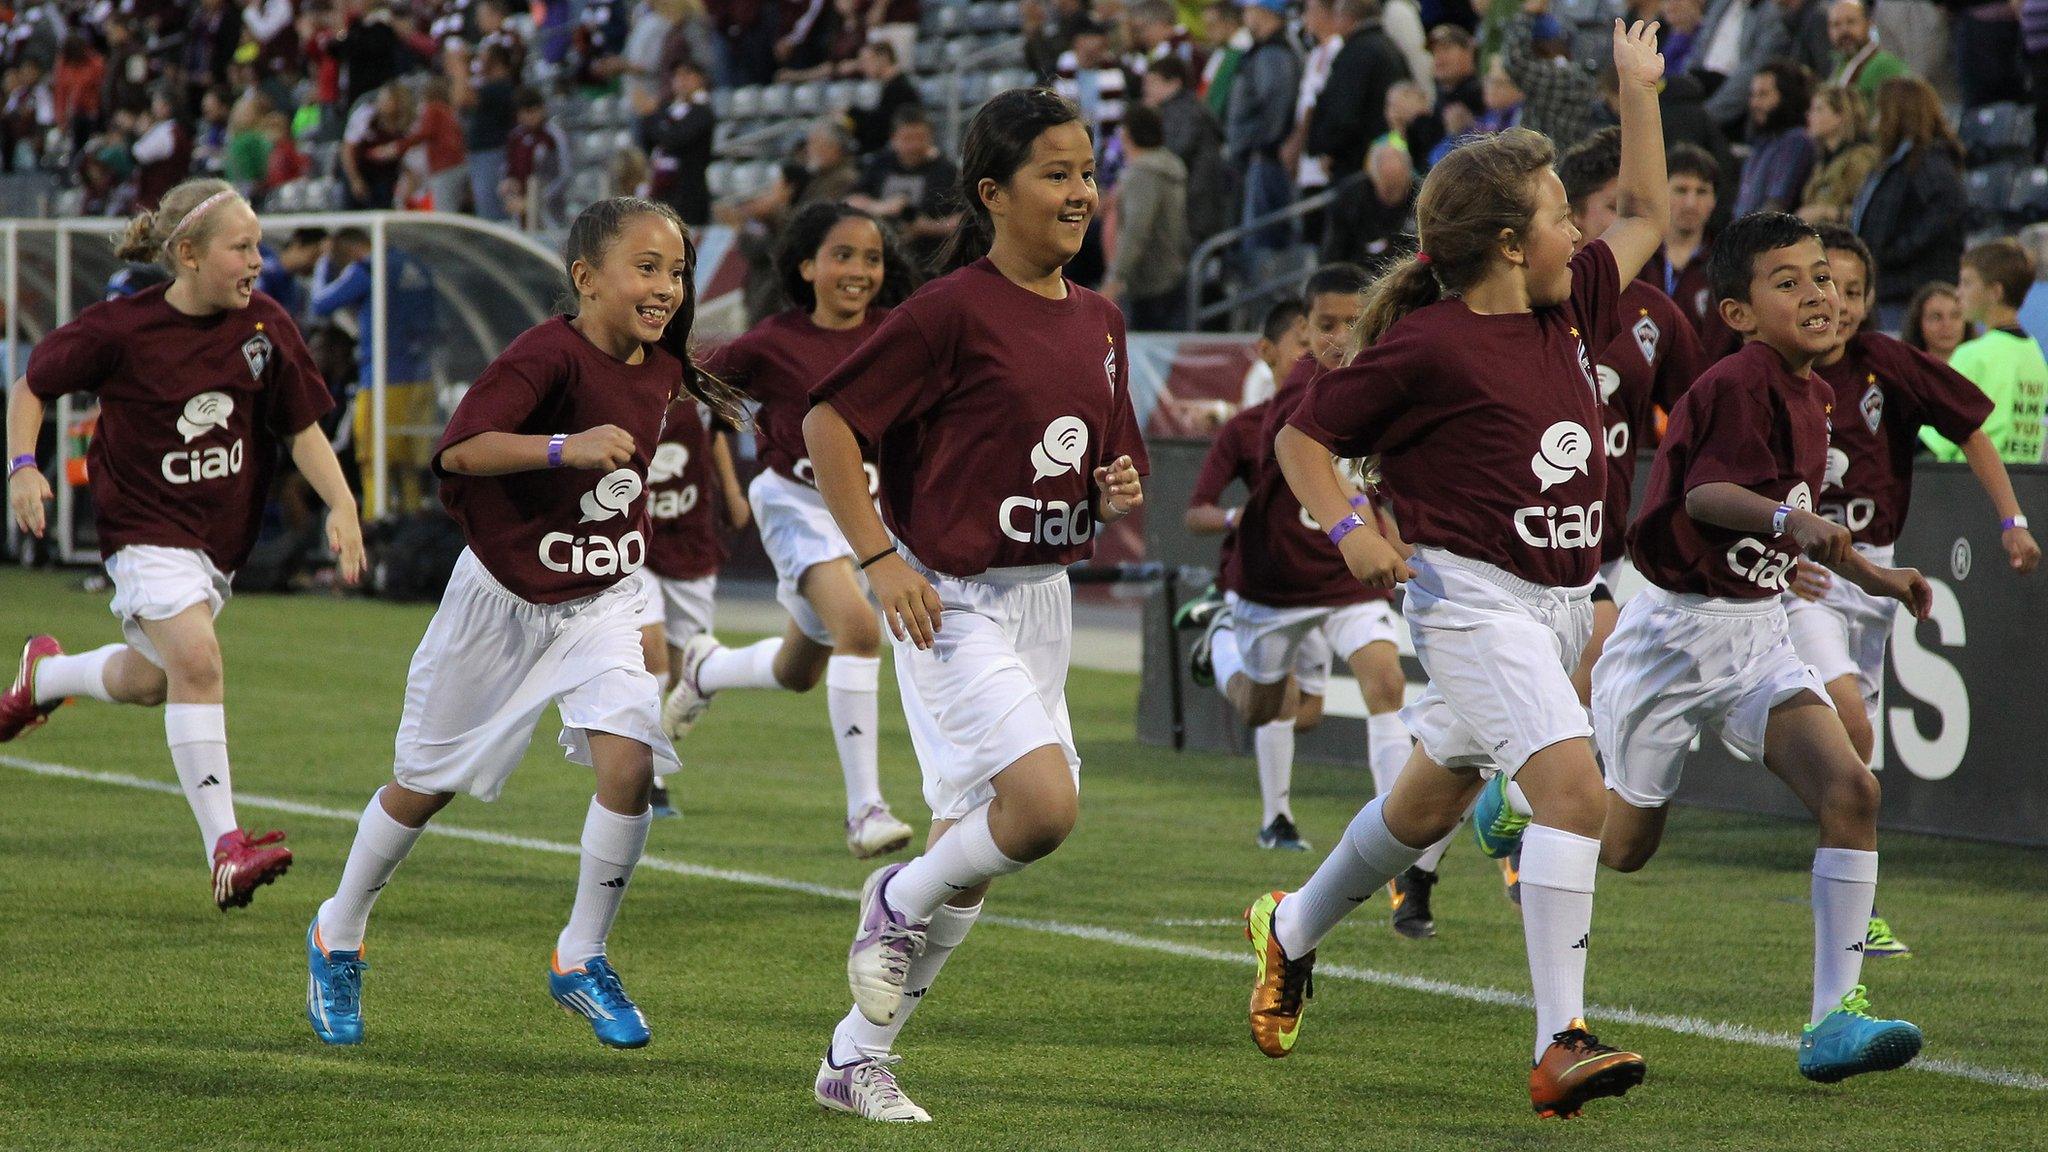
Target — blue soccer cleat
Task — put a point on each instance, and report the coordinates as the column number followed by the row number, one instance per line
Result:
column 1849, row 1041
column 594, row 993
column 1495, row 823
column 334, row 990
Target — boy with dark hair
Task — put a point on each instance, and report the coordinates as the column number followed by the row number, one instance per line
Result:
column 2005, row 361
column 1728, row 514
column 1283, row 339
column 1681, row 268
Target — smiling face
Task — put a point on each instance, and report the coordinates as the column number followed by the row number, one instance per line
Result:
column 846, row 272
column 1852, row 291
column 1043, row 210
column 1792, row 302
column 219, row 272
column 636, row 285
column 1848, row 27
column 1547, row 244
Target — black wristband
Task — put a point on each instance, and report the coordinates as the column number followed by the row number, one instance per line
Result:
column 889, row 551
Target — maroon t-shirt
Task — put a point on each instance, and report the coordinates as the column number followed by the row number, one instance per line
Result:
column 991, row 407
column 1487, row 426
column 777, row 363
column 1747, row 421
column 1234, row 455
column 559, row 533
column 682, row 497
column 1648, row 366
column 192, row 412
column 1884, row 392
column 1285, row 559
column 1691, row 289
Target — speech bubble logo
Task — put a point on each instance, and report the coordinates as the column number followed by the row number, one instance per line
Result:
column 1565, row 449
column 1800, row 497
column 1610, row 382
column 1064, row 446
column 669, row 461
column 613, row 495
column 1838, row 468
column 204, row 413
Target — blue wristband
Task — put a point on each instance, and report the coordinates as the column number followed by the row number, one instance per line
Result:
column 1345, row 527
column 1361, row 501
column 2012, row 522
column 555, row 443
column 25, row 460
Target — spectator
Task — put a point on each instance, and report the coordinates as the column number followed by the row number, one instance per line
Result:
column 284, row 267
column 26, row 116
column 213, row 32
column 1283, row 340
column 1228, row 39
column 910, row 184
column 1090, row 76
column 1845, row 156
column 286, row 162
column 1148, row 274
column 1503, row 102
column 743, row 43
column 129, row 71
column 373, row 147
column 1411, row 125
column 1191, row 133
column 368, row 52
column 1261, row 100
column 1048, row 36
column 824, row 172
column 210, row 135
column 1155, row 34
column 342, row 284
column 825, row 40
column 2005, row 361
column 1371, row 217
column 678, row 143
column 1934, row 321
column 1781, row 154
column 1680, row 268
column 537, row 166
column 1402, row 22
column 1736, row 37
column 76, row 87
column 491, row 32
column 162, row 151
column 490, row 118
column 2034, row 307
column 437, row 137
column 630, row 173
column 1352, row 111
column 1908, row 211
column 597, row 44
column 1987, row 53
column 1858, row 62
column 1681, row 33
column 1558, row 95
column 246, row 159
column 2034, row 42
column 652, row 22
column 1454, row 65
column 872, row 126
column 267, row 24
column 1809, row 40
column 1311, row 172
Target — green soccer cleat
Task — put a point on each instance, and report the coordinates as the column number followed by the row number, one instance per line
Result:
column 1197, row 613
column 1850, row 1041
column 1881, row 943
column 1495, row 823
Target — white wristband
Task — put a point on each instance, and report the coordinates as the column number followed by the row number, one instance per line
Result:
column 2011, row 522
column 1778, row 519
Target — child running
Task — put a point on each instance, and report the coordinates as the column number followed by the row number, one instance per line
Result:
column 841, row 271
column 999, row 400
column 1884, row 393
column 200, row 382
column 543, row 467
column 690, row 483
column 1477, row 389
column 1728, row 512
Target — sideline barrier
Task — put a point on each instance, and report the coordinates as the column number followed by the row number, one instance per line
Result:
column 1962, row 717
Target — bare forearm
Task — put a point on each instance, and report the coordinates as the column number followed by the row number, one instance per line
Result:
column 835, row 459
column 1208, row 519
column 496, row 454
column 1312, row 474
column 314, row 457
column 728, row 475
column 1983, row 458
column 1858, row 570
column 24, row 419
column 1731, row 506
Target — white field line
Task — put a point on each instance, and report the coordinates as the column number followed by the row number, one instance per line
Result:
column 1682, row 1025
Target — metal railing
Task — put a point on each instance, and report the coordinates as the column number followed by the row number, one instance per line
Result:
column 1209, row 251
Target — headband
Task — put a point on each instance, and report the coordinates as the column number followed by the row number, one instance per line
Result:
column 191, row 218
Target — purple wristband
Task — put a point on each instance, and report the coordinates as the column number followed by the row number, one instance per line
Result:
column 1345, row 527
column 555, row 443
column 1361, row 501
column 2012, row 522
column 25, row 460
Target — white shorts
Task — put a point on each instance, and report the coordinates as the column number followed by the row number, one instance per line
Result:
column 993, row 685
column 682, row 607
column 1678, row 663
column 1312, row 664
column 1844, row 633
column 798, row 533
column 491, row 664
column 1499, row 652
column 152, row 582
column 1271, row 640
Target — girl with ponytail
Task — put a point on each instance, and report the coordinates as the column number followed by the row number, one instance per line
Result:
column 200, row 382
column 1477, row 391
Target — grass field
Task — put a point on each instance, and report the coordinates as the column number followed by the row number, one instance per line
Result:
column 1105, row 1008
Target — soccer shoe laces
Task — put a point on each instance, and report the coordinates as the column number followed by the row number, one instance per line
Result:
column 345, row 981
column 876, row 1075
column 260, row 841
column 1297, row 983
column 1855, row 1003
column 900, row 944
column 609, row 991
column 1577, row 1039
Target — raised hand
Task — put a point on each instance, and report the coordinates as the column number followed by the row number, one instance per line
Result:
column 1636, row 59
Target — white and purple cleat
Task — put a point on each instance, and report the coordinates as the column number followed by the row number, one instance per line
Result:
column 883, row 947
column 867, row 1088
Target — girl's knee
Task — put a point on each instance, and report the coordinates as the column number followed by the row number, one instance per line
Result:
column 859, row 634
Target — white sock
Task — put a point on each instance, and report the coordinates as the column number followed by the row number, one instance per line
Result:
column 965, row 856
column 1273, row 744
column 856, row 1036
column 851, row 687
column 381, row 845
column 749, row 667
column 198, row 736
column 1557, row 923
column 1387, row 747
column 1362, row 862
column 611, row 847
column 84, row 674
column 1518, row 802
column 1434, row 854
column 1844, row 891
column 1225, row 658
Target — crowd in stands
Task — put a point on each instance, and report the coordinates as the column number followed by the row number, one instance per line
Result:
column 1886, row 115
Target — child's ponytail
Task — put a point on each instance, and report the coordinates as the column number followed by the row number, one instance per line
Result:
column 1401, row 289
column 189, row 211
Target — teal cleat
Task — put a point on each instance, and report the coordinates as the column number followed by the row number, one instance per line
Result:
column 1495, row 823
column 1198, row 612
column 334, row 990
column 594, row 993
column 1849, row 1041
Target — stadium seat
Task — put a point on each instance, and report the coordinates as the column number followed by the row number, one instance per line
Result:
column 986, row 17
column 1997, row 131
column 719, row 178
column 931, row 91
column 808, row 99
column 746, row 102
column 1990, row 188
column 2028, row 201
column 842, row 94
column 867, row 94
column 721, row 102
column 775, row 100
column 1583, row 12
column 930, row 56
column 600, row 110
